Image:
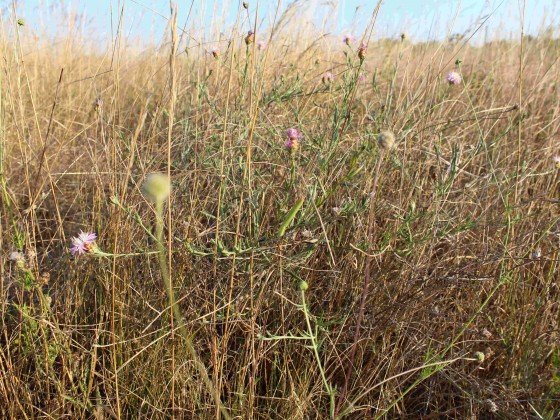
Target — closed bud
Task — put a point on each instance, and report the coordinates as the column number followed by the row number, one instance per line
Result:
column 303, row 286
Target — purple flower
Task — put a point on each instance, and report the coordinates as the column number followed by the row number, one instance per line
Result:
column 328, row 77
column 362, row 78
column 362, row 51
column 261, row 45
column 348, row 39
column 83, row 243
column 294, row 136
column 215, row 52
column 294, row 133
column 454, row 78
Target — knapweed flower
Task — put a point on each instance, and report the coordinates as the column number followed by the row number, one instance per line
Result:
column 348, row 39
column 17, row 256
column 328, row 78
column 83, row 243
column 556, row 160
column 386, row 140
column 454, row 78
column 250, row 37
column 157, row 187
column 215, row 52
column 362, row 78
column 362, row 51
column 261, row 45
column 294, row 136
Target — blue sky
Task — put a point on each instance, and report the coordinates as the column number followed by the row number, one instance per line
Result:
column 422, row 19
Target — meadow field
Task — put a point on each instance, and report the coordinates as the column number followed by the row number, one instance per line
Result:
column 278, row 222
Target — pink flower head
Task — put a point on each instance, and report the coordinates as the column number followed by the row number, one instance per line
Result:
column 362, row 78
column 348, row 39
column 215, row 52
column 261, row 45
column 294, row 136
column 362, row 51
column 454, row 78
column 294, row 133
column 328, row 77
column 83, row 243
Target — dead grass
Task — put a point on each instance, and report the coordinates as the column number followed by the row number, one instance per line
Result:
column 464, row 252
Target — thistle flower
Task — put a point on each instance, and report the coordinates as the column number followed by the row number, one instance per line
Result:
column 294, row 136
column 294, row 133
column 348, row 39
column 157, row 187
column 250, row 37
column 454, row 78
column 215, row 52
column 556, row 160
column 362, row 49
column 17, row 256
column 386, row 140
column 83, row 243
column 98, row 104
column 261, row 45
column 328, row 78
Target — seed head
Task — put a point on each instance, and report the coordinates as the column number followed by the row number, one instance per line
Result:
column 479, row 356
column 157, row 187
column 386, row 140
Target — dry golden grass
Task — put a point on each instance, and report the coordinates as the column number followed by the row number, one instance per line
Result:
column 458, row 223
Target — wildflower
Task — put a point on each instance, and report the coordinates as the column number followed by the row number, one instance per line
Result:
column 294, row 133
column 261, row 45
column 83, row 243
column 294, row 136
column 215, row 52
column 362, row 78
column 157, row 187
column 454, row 78
column 362, row 51
column 348, row 39
column 556, row 160
column 98, row 104
column 250, row 37
column 328, row 78
column 386, row 140
column 17, row 256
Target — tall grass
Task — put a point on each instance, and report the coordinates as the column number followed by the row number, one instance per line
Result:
column 338, row 279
